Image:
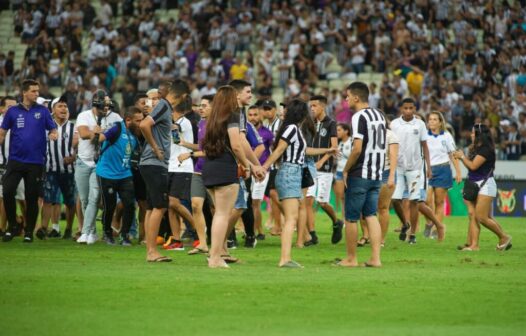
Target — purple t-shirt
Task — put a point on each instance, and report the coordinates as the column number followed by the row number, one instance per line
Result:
column 198, row 168
column 267, row 137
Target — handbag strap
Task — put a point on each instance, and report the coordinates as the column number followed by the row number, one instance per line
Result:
column 486, row 179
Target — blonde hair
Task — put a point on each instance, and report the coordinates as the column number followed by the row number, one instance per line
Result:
column 443, row 123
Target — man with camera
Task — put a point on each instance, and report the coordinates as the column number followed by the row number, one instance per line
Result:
column 90, row 124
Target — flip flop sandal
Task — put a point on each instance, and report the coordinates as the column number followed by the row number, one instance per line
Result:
column 504, row 247
column 461, row 247
column 362, row 242
column 161, row 259
column 291, row 264
column 229, row 259
column 197, row 250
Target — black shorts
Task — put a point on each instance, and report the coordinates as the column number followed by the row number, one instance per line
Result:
column 156, row 180
column 271, row 181
column 180, row 185
column 140, row 186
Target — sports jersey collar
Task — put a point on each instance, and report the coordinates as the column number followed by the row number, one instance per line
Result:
column 435, row 135
column 412, row 121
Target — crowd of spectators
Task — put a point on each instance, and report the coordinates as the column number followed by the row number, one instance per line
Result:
column 466, row 59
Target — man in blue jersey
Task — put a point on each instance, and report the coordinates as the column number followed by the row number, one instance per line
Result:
column 28, row 123
column 115, row 175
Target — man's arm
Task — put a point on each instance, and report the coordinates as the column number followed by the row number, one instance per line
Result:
column 334, row 144
column 146, row 129
column 425, row 149
column 353, row 158
column 3, row 133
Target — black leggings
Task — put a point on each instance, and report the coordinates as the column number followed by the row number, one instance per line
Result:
column 32, row 175
column 109, row 190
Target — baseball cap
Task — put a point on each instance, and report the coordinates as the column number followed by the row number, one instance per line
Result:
column 52, row 103
column 43, row 101
column 268, row 103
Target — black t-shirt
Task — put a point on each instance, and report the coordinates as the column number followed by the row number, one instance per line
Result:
column 488, row 166
column 325, row 130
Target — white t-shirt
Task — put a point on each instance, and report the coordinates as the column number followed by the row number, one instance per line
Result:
column 86, row 149
column 186, row 134
column 410, row 134
column 440, row 146
column 391, row 139
column 345, row 149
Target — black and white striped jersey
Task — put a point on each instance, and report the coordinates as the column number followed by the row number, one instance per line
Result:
column 369, row 125
column 295, row 152
column 58, row 149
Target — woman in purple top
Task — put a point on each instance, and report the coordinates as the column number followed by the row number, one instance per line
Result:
column 481, row 164
column 198, row 191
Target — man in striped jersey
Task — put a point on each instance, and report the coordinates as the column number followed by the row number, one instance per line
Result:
column 5, row 104
column 363, row 174
column 60, row 173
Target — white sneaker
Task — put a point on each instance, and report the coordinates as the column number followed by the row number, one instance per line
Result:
column 92, row 239
column 83, row 239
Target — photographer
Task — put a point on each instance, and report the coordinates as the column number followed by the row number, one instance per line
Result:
column 480, row 188
column 90, row 124
column 114, row 173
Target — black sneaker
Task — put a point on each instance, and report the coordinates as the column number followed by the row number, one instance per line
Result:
column 2, row 233
column 311, row 242
column 403, row 232
column 28, row 239
column 108, row 239
column 412, row 239
column 67, row 234
column 337, row 228
column 187, row 235
column 260, row 236
column 126, row 242
column 314, row 238
column 41, row 234
column 7, row 237
column 231, row 244
column 250, row 242
column 53, row 234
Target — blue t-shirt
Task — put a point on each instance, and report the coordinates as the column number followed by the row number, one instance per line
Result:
column 28, row 142
column 114, row 163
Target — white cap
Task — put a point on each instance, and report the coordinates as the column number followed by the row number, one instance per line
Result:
column 56, row 100
column 43, row 101
column 505, row 122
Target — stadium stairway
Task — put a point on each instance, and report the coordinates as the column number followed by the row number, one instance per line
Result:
column 9, row 41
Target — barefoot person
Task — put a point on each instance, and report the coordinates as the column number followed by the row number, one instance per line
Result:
column 363, row 174
column 480, row 163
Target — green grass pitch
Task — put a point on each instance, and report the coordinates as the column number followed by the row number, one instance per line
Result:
column 57, row 287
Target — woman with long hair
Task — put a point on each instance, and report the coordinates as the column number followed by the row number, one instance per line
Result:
column 343, row 132
column 441, row 146
column 291, row 147
column 222, row 147
column 480, row 163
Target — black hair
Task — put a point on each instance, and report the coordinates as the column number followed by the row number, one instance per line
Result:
column 483, row 138
column 297, row 111
column 359, row 89
column 140, row 95
column 345, row 127
column 4, row 99
column 320, row 98
column 408, row 100
column 239, row 84
column 131, row 111
column 179, row 88
column 253, row 107
column 27, row 83
column 210, row 98
column 184, row 106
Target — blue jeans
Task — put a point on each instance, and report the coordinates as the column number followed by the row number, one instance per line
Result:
column 242, row 196
column 89, row 192
column 361, row 198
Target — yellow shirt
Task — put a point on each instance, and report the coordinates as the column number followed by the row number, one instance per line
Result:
column 238, row 71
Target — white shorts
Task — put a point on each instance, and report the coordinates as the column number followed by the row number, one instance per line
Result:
column 258, row 188
column 20, row 191
column 322, row 187
column 411, row 181
column 489, row 189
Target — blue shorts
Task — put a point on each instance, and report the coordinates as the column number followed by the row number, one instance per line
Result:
column 385, row 177
column 57, row 184
column 338, row 176
column 242, row 196
column 442, row 177
column 288, row 181
column 309, row 162
column 361, row 198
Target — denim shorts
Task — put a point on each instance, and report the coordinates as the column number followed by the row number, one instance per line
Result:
column 361, row 198
column 442, row 177
column 242, row 195
column 309, row 162
column 57, row 184
column 288, row 181
column 385, row 177
column 338, row 176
